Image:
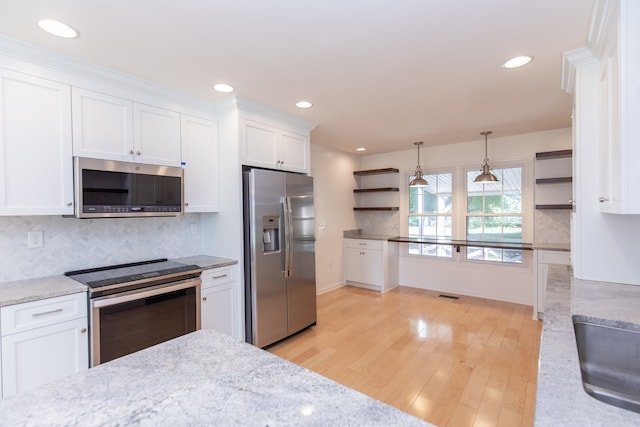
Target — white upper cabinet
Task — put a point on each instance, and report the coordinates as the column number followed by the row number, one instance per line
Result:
column 36, row 175
column 113, row 128
column 618, row 49
column 201, row 164
column 272, row 147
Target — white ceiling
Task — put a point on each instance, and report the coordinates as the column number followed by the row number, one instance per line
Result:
column 381, row 73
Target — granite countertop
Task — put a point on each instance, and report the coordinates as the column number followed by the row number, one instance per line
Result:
column 357, row 234
column 36, row 289
column 207, row 262
column 21, row 291
column 564, row 247
column 560, row 398
column 203, row 378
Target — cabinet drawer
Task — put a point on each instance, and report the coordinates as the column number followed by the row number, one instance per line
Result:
column 554, row 257
column 218, row 276
column 45, row 312
column 363, row 244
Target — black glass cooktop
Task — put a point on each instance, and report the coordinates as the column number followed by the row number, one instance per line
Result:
column 132, row 272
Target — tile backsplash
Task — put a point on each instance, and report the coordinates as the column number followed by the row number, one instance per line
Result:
column 552, row 226
column 71, row 244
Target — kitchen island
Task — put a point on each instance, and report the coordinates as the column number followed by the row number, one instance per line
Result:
column 560, row 398
column 203, row 378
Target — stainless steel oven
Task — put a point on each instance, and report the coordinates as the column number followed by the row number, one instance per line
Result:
column 137, row 305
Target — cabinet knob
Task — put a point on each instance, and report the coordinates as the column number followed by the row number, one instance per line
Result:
column 130, row 151
column 83, row 330
column 69, row 203
column 603, row 199
column 138, row 153
column 204, row 298
column 186, row 203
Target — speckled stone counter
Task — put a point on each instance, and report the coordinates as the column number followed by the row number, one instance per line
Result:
column 36, row 289
column 564, row 247
column 207, row 262
column 357, row 234
column 203, row 378
column 560, row 398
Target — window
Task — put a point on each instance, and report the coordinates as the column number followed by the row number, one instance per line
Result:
column 430, row 214
column 494, row 213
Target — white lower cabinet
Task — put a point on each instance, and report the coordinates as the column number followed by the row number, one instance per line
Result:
column 371, row 264
column 219, row 300
column 42, row 341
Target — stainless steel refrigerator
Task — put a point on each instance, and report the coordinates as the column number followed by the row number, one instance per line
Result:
column 279, row 255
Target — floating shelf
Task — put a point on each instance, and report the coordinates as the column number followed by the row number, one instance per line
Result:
column 375, row 171
column 375, row 190
column 388, row 208
column 563, row 206
column 554, row 180
column 554, row 154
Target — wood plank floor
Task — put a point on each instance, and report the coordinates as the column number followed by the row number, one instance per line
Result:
column 465, row 362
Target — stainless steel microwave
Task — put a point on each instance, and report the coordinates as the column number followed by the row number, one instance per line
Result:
column 112, row 189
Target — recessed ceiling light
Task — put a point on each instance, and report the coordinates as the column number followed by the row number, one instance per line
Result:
column 518, row 61
column 57, row 28
column 223, row 87
column 361, row 149
column 304, row 104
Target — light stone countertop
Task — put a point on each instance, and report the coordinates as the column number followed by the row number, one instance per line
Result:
column 206, row 262
column 560, row 398
column 203, row 378
column 564, row 247
column 28, row 290
column 21, row 291
column 357, row 234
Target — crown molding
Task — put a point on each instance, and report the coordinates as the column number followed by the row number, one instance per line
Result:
column 603, row 29
column 256, row 111
column 570, row 61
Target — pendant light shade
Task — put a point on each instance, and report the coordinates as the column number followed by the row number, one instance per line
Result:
column 486, row 175
column 418, row 181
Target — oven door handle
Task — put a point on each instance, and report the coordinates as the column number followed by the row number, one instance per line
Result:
column 146, row 293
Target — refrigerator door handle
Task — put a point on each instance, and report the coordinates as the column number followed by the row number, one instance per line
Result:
column 289, row 230
column 287, row 250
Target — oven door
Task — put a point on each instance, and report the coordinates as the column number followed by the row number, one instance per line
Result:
column 124, row 323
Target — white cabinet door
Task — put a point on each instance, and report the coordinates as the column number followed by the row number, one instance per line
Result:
column 102, row 126
column 372, row 267
column 354, row 265
column 200, row 160
column 35, row 146
column 271, row 147
column 220, row 301
column 156, row 135
column 293, row 152
column 620, row 109
column 259, row 144
column 41, row 355
column 217, row 309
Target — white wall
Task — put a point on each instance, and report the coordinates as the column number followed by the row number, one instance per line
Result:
column 332, row 171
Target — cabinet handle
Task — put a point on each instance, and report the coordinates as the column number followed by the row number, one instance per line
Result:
column 603, row 199
column 58, row 310
column 69, row 203
column 83, row 330
column 204, row 298
column 219, row 277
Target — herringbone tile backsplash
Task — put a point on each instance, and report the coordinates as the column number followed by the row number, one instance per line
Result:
column 71, row 244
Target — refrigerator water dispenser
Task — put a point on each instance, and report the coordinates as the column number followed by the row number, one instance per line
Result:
column 270, row 233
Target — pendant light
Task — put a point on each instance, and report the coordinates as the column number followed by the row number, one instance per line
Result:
column 418, row 181
column 486, row 175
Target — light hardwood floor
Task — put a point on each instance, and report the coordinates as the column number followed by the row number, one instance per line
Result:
column 466, row 362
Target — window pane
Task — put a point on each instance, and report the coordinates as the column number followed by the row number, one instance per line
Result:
column 445, row 204
column 414, row 249
column 429, row 202
column 512, row 228
column 512, row 203
column 492, row 228
column 492, row 254
column 512, row 256
column 414, row 226
column 493, row 203
column 413, row 199
column 475, row 253
column 474, row 228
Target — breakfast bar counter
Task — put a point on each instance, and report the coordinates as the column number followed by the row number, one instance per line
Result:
column 203, row 378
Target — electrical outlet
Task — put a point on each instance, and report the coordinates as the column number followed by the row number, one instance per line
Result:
column 35, row 239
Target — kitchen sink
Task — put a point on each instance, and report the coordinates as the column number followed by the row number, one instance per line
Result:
column 609, row 354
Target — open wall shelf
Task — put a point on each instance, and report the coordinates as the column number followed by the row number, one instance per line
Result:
column 375, row 190
column 375, row 171
column 553, row 180
column 378, row 209
column 369, row 172
column 546, row 155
